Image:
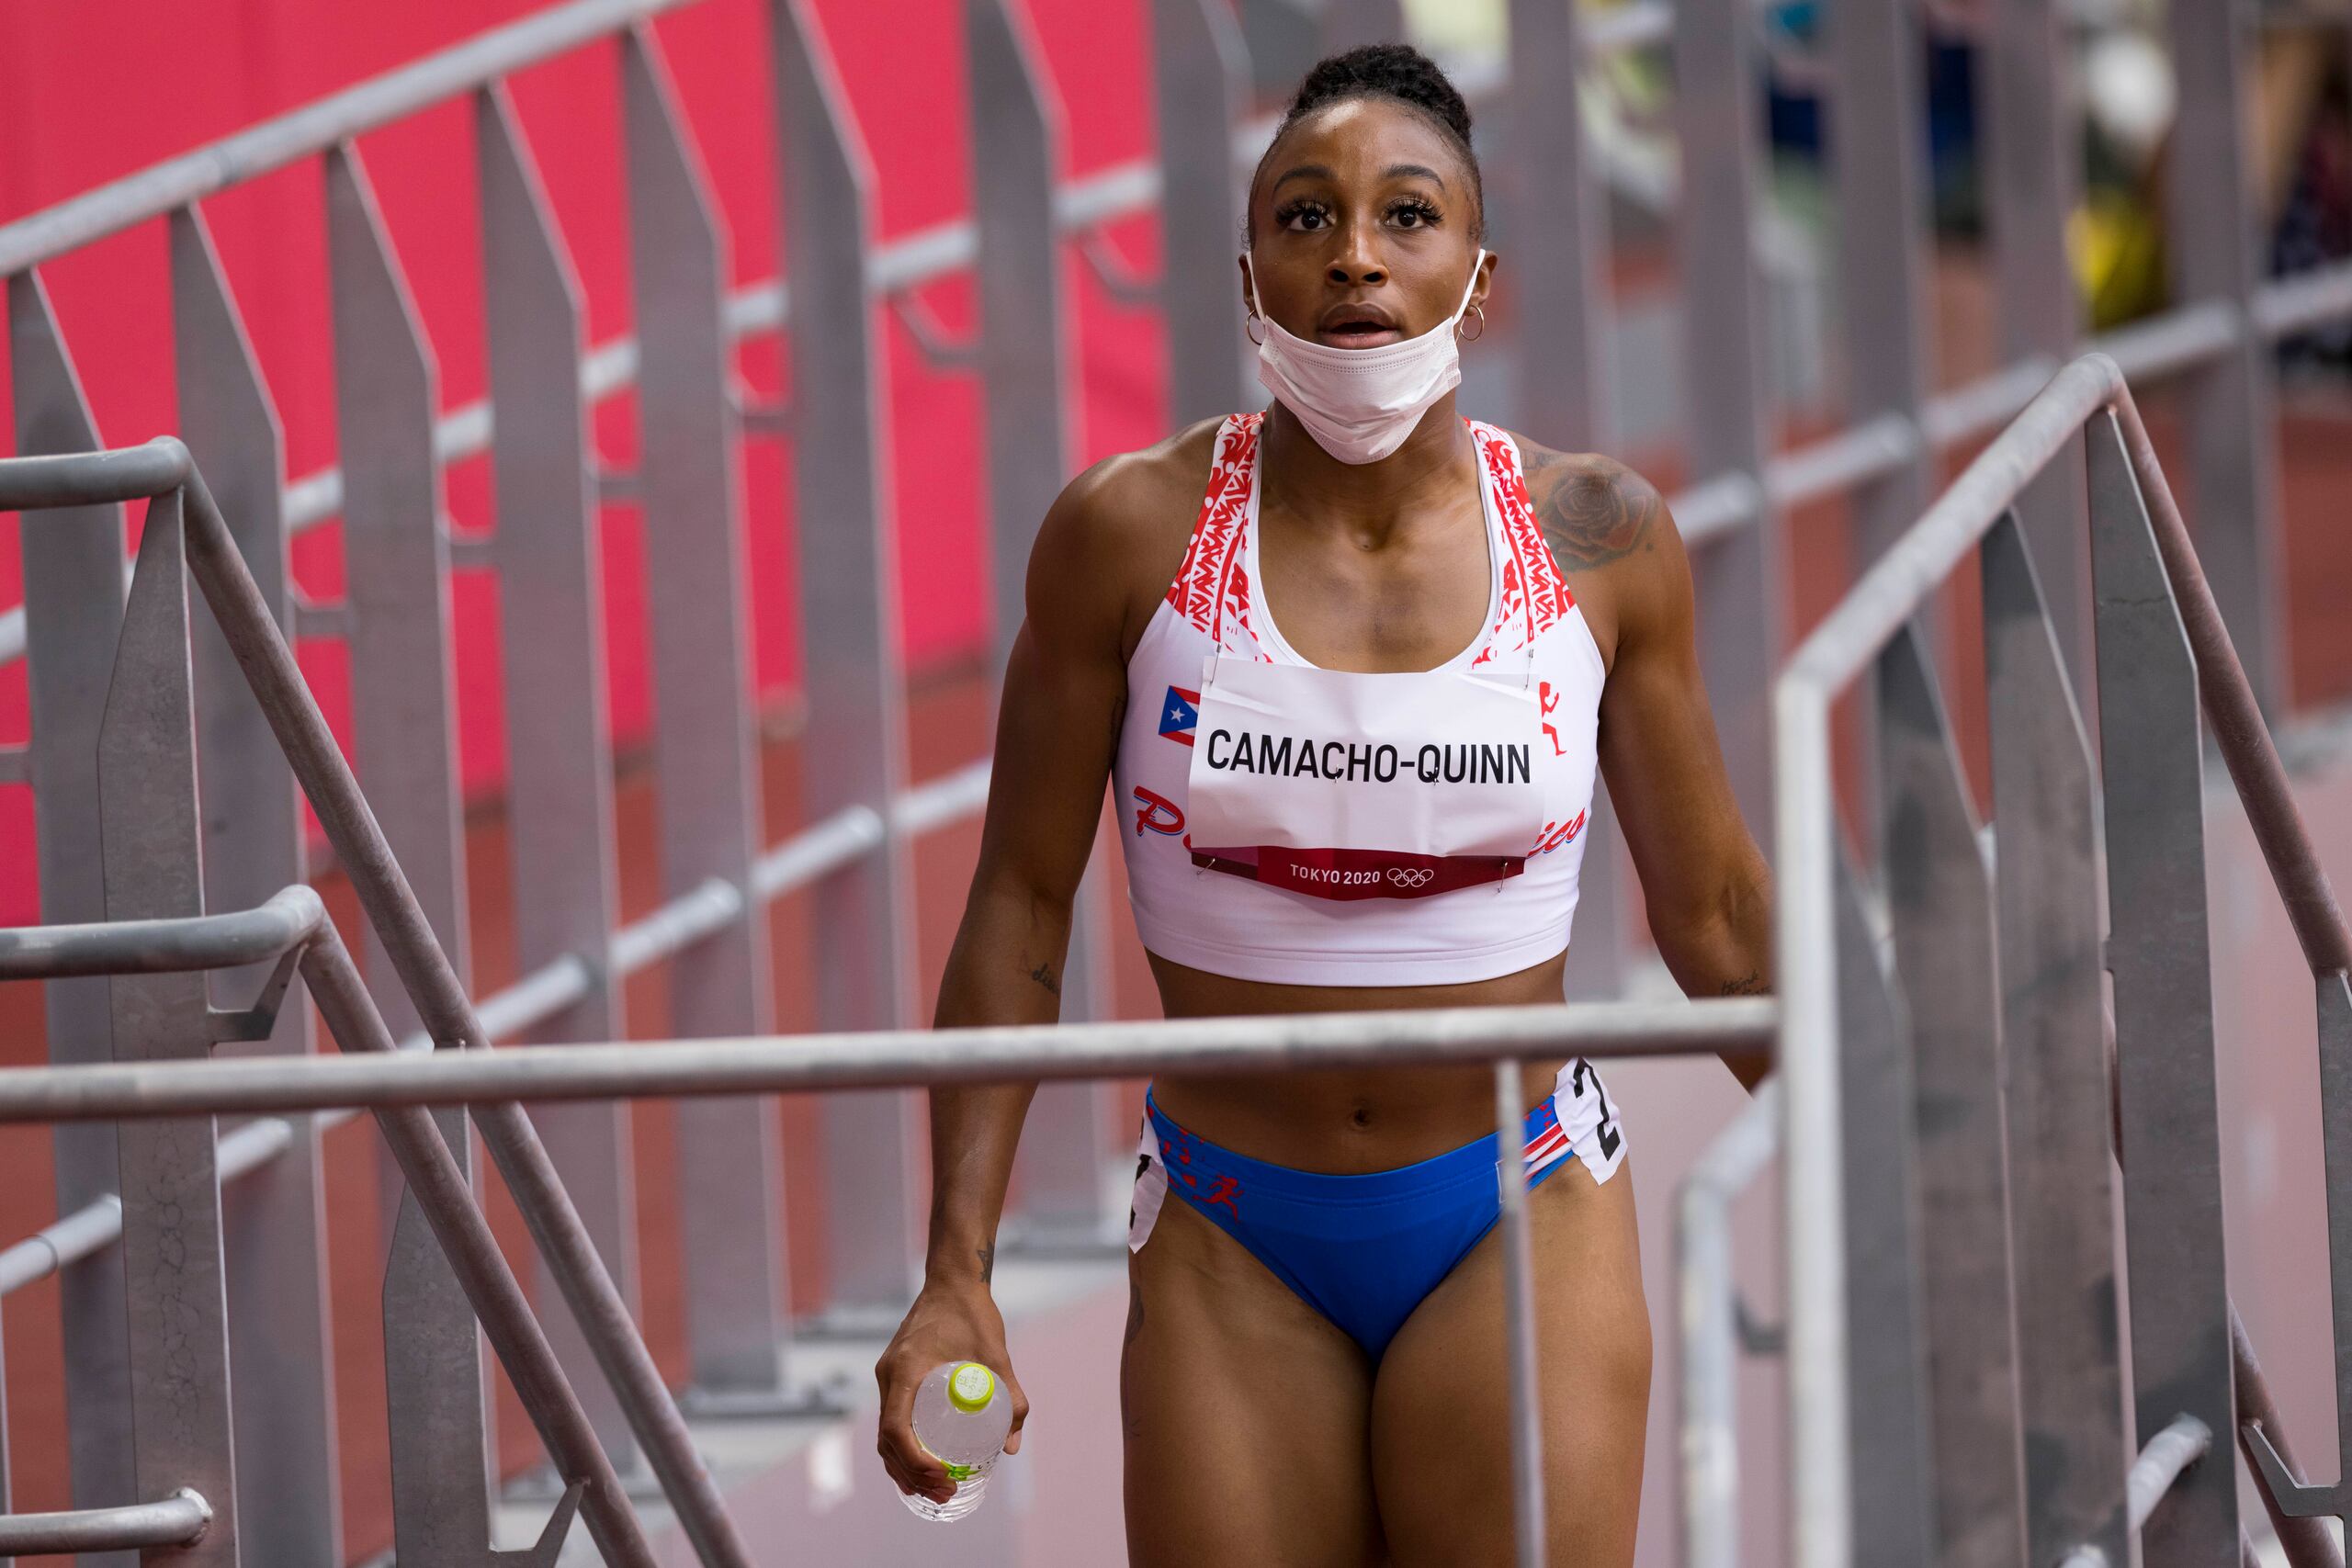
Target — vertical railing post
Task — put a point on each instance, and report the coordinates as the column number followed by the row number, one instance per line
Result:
column 1530, row 1536
column 2152, row 762
column 1025, row 377
column 2297, row 1509
column 1737, row 579
column 730, row 1164
column 567, row 1253
column 2335, row 1029
column 2032, row 159
column 6, row 1496
column 1810, row 1070
column 180, row 1423
column 435, row 1405
column 73, row 563
column 1025, row 342
column 1707, row 1346
column 560, row 765
column 1201, row 74
column 1559, row 236
column 855, row 743
column 2211, row 239
column 396, row 562
column 276, row 1219
column 1877, row 141
column 2046, row 828
column 1559, row 244
column 1887, row 1389
column 1940, row 897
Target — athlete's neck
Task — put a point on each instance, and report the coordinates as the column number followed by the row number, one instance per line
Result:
column 1367, row 502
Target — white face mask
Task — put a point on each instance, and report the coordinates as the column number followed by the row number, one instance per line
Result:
column 1361, row 404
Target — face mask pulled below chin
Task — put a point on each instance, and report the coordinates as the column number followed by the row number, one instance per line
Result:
column 1361, row 404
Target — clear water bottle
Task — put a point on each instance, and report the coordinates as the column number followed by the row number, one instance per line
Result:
column 962, row 1415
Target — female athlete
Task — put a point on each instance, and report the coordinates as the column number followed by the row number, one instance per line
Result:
column 1349, row 666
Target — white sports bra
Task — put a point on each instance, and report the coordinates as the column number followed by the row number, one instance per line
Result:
column 1298, row 826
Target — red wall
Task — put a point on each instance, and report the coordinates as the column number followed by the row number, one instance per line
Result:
column 96, row 90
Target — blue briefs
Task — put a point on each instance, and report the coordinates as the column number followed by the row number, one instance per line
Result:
column 1364, row 1250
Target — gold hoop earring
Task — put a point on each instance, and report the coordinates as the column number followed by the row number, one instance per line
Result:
column 1248, row 322
column 1479, row 311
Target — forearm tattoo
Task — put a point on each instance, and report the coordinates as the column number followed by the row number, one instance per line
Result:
column 1044, row 975
column 1749, row 985
column 987, row 1262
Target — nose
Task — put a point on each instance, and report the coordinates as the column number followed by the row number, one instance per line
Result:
column 1357, row 259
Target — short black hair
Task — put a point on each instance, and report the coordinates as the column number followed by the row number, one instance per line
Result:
column 1392, row 70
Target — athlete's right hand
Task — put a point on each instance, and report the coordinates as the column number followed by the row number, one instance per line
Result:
column 951, row 1321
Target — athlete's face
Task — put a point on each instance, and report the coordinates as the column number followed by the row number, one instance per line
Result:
column 1362, row 227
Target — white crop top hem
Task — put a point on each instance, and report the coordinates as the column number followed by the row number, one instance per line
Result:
column 1190, row 908
column 1278, row 966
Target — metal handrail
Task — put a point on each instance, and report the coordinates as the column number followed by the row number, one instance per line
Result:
column 132, row 473
column 161, row 187
column 1737, row 1027
column 177, row 1520
column 295, row 918
column 425, row 971
column 2262, row 1437
column 2175, row 341
column 398, row 1086
column 2168, row 1453
column 1836, row 652
column 446, row 1198
column 151, row 947
column 2164, row 344
column 531, row 1001
column 1886, row 444
column 1894, row 588
column 1831, row 657
column 68, row 1239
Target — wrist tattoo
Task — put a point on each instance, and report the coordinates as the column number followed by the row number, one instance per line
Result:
column 1044, row 975
column 1749, row 985
column 987, row 1262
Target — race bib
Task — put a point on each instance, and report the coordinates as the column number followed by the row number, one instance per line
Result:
column 1347, row 785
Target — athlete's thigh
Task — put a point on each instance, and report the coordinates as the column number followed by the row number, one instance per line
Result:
column 1246, row 1414
column 1442, row 1407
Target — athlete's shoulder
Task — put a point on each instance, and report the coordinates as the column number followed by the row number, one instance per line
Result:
column 1595, row 510
column 1113, row 538
column 1135, row 498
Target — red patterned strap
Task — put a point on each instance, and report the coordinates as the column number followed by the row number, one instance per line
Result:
column 1534, row 596
column 1212, row 588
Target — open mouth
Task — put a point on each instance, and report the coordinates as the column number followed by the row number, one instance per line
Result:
column 1359, row 334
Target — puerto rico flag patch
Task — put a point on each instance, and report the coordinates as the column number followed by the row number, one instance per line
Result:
column 1179, row 715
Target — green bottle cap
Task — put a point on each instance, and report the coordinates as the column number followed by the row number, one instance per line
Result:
column 970, row 1387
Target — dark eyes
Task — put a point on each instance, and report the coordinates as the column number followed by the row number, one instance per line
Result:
column 1307, row 216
